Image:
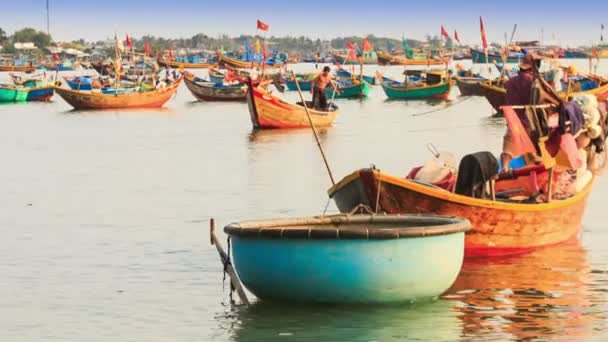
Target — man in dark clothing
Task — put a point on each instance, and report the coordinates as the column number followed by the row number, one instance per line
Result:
column 518, row 94
column 319, row 99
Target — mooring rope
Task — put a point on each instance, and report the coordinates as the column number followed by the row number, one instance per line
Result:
column 443, row 108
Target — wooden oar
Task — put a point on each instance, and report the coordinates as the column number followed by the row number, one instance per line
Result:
column 312, row 126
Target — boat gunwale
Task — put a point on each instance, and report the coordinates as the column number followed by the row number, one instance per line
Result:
column 328, row 227
column 442, row 194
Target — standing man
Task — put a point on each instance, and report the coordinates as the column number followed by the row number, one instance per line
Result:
column 319, row 99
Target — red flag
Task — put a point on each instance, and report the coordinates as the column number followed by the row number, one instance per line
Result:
column 171, row 54
column 484, row 39
column 147, row 48
column 352, row 55
column 444, row 33
column 367, row 47
column 56, row 57
column 457, row 37
column 129, row 42
column 262, row 26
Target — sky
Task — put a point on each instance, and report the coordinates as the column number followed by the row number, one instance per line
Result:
column 556, row 21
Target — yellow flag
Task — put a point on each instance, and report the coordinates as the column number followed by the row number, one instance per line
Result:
column 258, row 47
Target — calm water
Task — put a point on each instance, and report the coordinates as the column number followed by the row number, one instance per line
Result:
column 104, row 225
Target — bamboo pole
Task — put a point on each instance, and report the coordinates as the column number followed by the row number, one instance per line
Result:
column 225, row 258
column 312, row 126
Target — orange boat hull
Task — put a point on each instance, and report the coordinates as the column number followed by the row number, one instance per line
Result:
column 267, row 111
column 235, row 63
column 388, row 59
column 90, row 100
column 17, row 68
column 498, row 228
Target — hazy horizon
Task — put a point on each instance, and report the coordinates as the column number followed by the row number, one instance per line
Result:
column 72, row 20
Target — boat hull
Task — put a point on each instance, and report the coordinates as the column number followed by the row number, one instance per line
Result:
column 238, row 64
column 497, row 228
column 268, row 112
column 212, row 93
column 89, row 100
column 17, row 68
column 361, row 89
column 496, row 96
column 360, row 271
column 348, row 258
column 179, row 65
column 440, row 91
column 388, row 59
column 304, row 85
column 13, row 95
column 469, row 86
column 40, row 94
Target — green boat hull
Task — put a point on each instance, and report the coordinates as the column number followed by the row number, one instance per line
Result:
column 13, row 95
column 439, row 91
column 359, row 90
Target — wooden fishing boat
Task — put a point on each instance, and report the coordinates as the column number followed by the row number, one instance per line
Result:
column 354, row 89
column 40, row 91
column 235, row 63
column 96, row 100
column 268, row 111
column 479, row 56
column 385, row 58
column 436, row 85
column 348, row 258
column 498, row 228
column 211, row 91
column 469, row 86
column 17, row 68
column 496, row 93
column 163, row 62
column 344, row 59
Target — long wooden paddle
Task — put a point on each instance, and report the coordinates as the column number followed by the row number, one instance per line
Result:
column 312, row 126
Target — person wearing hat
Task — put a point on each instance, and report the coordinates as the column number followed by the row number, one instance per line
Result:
column 518, row 94
column 319, row 98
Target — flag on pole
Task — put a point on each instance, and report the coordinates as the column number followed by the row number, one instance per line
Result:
column 262, row 26
column 171, row 54
column 484, row 39
column 352, row 55
column 457, row 37
column 367, row 47
column 129, row 42
column 444, row 33
column 602, row 34
column 147, row 48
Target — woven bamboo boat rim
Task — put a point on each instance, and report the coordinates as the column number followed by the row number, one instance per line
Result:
column 370, row 227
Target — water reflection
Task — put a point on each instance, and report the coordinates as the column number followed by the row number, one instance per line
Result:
column 265, row 136
column 542, row 294
column 160, row 110
column 434, row 321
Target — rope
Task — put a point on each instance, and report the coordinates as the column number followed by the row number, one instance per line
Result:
column 443, row 108
column 326, row 206
column 226, row 263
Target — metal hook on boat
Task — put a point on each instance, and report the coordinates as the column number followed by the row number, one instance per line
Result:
column 362, row 208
